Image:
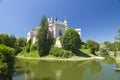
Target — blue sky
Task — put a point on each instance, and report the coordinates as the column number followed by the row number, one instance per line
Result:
column 98, row 19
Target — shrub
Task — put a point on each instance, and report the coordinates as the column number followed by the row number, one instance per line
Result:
column 59, row 52
column 104, row 51
column 7, row 61
column 93, row 46
column 34, row 47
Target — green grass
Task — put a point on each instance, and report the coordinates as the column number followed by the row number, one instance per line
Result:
column 87, row 52
column 30, row 54
column 58, row 53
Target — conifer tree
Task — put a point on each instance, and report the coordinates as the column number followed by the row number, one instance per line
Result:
column 43, row 38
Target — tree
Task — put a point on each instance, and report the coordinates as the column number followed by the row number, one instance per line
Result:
column 4, row 39
column 117, row 40
column 93, row 46
column 28, row 45
column 116, row 45
column 117, row 37
column 20, row 44
column 44, row 39
column 71, row 40
column 7, row 61
column 12, row 41
column 83, row 45
column 109, row 46
column 8, row 40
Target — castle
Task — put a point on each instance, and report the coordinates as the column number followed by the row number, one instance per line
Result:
column 57, row 29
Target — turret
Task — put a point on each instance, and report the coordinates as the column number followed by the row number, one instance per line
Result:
column 65, row 22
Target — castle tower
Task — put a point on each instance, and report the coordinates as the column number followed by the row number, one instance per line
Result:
column 65, row 22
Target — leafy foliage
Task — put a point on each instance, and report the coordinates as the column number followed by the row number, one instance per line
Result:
column 117, row 43
column 28, row 46
column 94, row 46
column 103, row 51
column 71, row 40
column 28, row 54
column 7, row 61
column 11, row 41
column 34, row 47
column 59, row 52
column 109, row 46
column 4, row 39
column 84, row 45
column 21, row 42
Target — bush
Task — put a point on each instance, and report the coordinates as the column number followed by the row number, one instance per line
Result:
column 33, row 47
column 93, row 46
column 104, row 51
column 17, row 50
column 59, row 52
column 7, row 61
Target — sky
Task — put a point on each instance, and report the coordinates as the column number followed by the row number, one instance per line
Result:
column 98, row 19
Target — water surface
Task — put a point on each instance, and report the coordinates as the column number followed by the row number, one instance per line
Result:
column 66, row 70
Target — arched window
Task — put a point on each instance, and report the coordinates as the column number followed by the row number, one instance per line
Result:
column 60, row 32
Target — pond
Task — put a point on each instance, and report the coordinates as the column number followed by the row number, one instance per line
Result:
column 66, row 70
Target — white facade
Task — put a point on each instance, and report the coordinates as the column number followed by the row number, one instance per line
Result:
column 57, row 29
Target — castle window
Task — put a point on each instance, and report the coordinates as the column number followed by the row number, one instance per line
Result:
column 60, row 32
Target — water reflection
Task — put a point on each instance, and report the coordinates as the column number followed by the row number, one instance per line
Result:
column 66, row 70
column 95, row 67
column 6, row 67
column 57, row 70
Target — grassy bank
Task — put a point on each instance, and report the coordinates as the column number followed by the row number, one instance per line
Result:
column 28, row 54
column 59, row 53
column 74, row 58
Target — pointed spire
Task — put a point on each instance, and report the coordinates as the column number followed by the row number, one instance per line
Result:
column 65, row 22
column 51, row 20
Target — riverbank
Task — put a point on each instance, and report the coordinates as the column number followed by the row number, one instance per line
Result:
column 75, row 58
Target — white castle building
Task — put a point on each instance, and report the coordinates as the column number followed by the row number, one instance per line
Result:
column 57, row 29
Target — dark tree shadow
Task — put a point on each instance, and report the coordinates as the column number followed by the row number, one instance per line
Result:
column 81, row 54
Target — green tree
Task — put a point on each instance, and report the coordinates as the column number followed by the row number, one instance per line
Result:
column 109, row 46
column 4, row 39
column 8, row 40
column 117, row 40
column 44, row 38
column 28, row 47
column 20, row 44
column 71, row 40
column 7, row 61
column 12, row 41
column 93, row 46
column 83, row 45
column 116, row 46
column 117, row 37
